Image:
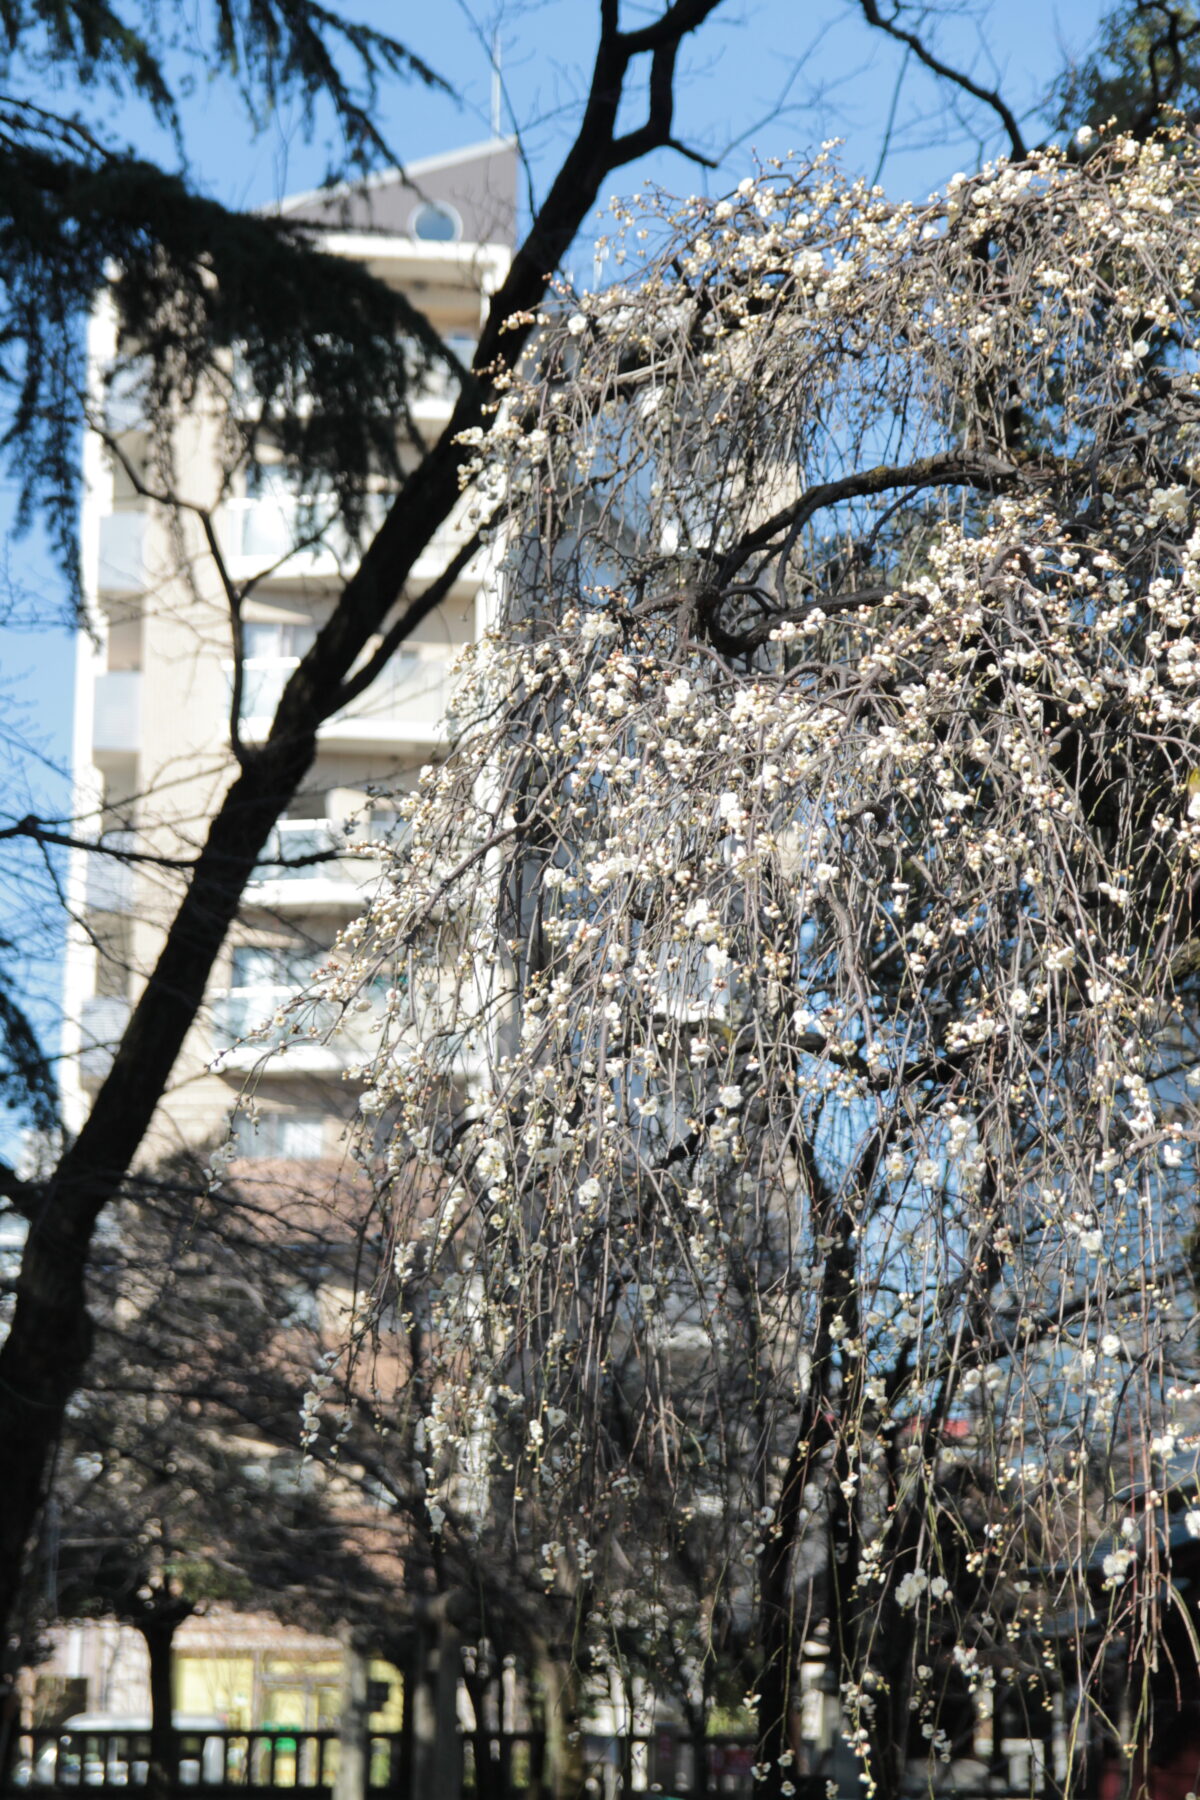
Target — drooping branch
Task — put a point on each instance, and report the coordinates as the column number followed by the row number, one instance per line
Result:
column 808, row 1189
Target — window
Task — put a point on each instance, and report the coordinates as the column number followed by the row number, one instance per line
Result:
column 276, row 639
column 272, row 966
column 290, row 842
column 435, row 223
column 283, row 1137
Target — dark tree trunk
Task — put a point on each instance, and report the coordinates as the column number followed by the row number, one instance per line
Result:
column 697, row 1727
column 409, row 1663
column 10, row 1726
column 354, row 1740
column 830, row 1401
column 159, row 1636
column 777, row 1623
column 436, row 1764
column 46, row 1351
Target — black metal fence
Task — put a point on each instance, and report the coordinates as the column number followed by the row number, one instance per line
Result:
column 243, row 1761
column 511, row 1765
column 504, row 1765
column 497, row 1765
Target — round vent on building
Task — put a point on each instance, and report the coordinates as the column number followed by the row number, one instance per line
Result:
column 436, row 223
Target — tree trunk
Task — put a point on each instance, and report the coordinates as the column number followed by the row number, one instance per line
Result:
column 10, row 1727
column 163, row 1773
column 436, row 1741
column 489, row 1775
column 777, row 1622
column 697, row 1731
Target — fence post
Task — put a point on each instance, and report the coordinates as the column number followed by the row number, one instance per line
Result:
column 10, row 1726
column 354, row 1745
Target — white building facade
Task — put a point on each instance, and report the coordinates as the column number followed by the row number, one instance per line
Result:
column 153, row 759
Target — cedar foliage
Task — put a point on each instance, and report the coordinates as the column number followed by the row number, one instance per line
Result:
column 328, row 351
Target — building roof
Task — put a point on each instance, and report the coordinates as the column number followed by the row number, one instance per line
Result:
column 473, row 190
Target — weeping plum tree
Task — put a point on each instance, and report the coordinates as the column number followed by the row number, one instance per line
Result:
column 792, row 1010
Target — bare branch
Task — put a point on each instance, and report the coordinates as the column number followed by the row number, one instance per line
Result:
column 915, row 44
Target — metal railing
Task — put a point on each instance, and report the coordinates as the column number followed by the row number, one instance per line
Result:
column 512, row 1765
column 104, row 1019
column 292, row 841
column 248, row 1023
column 282, row 1757
column 497, row 1765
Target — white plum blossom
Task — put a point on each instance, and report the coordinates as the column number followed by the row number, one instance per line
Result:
column 910, row 1588
column 1117, row 1565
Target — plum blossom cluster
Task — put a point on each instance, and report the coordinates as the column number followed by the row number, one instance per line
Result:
column 792, row 971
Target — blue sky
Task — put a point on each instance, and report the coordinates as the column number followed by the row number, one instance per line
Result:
column 764, row 77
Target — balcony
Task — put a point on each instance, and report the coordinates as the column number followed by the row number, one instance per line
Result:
column 264, row 529
column 406, row 705
column 253, row 1029
column 290, row 537
column 109, row 886
column 284, row 881
column 122, row 565
column 125, row 397
column 105, row 1017
column 117, row 718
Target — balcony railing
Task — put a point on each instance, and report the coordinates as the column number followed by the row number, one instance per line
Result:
column 272, row 528
column 278, row 528
column 306, row 865
column 299, row 849
column 117, row 715
column 109, row 880
column 122, row 567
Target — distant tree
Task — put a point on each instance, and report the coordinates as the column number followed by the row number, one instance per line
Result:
column 1141, row 73
column 185, row 1475
column 83, row 215
column 1144, row 70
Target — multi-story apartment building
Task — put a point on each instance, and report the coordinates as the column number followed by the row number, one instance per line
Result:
column 154, row 678
column 153, row 757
